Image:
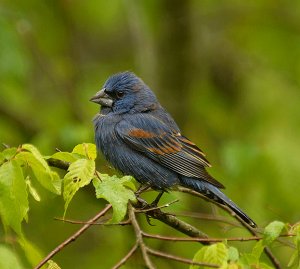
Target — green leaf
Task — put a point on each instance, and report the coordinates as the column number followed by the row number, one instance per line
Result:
column 257, row 251
column 9, row 259
column 86, row 149
column 38, row 156
column 44, row 175
column 80, row 173
column 214, row 254
column 9, row 153
column 33, row 254
column 113, row 189
column 52, row 265
column 13, row 196
column 233, row 254
column 65, row 156
column 32, row 190
column 272, row 231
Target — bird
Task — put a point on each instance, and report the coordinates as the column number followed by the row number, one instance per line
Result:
column 138, row 137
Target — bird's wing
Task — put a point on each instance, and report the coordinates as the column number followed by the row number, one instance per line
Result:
column 155, row 139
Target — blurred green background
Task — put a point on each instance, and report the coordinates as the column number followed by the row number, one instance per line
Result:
column 228, row 71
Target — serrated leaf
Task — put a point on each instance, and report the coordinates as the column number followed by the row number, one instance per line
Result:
column 9, row 153
column 257, row 251
column 214, row 254
column 272, row 231
column 52, row 265
column 65, row 156
column 233, row 254
column 86, row 149
column 38, row 156
column 33, row 254
column 80, row 173
column 247, row 259
column 112, row 189
column 45, row 176
column 13, row 196
column 9, row 259
column 32, row 190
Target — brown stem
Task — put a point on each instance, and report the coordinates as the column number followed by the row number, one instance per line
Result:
column 122, row 223
column 157, row 207
column 126, row 257
column 179, row 259
column 212, row 240
column 139, row 237
column 73, row 237
column 252, row 231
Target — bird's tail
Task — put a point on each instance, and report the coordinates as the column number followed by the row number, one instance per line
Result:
column 216, row 195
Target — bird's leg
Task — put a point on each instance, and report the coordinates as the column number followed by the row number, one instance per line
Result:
column 154, row 205
column 139, row 191
column 156, row 200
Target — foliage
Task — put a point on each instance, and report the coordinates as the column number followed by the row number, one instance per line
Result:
column 23, row 167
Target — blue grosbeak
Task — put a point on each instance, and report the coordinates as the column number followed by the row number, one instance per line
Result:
column 139, row 138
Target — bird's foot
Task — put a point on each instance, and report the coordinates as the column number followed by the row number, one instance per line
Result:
column 156, row 200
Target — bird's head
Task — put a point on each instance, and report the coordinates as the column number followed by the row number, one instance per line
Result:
column 125, row 92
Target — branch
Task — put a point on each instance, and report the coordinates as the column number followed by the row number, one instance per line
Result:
column 267, row 250
column 179, row 259
column 126, row 257
column 173, row 221
column 73, row 237
column 139, row 237
column 122, row 223
column 58, row 164
column 212, row 240
column 180, row 225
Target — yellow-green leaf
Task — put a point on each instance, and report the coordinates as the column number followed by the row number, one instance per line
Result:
column 9, row 153
column 213, row 254
column 80, row 173
column 65, row 156
column 41, row 171
column 272, row 231
column 32, row 190
column 86, row 149
column 52, row 265
column 114, row 190
column 13, row 196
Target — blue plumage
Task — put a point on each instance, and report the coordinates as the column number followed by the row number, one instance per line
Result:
column 139, row 138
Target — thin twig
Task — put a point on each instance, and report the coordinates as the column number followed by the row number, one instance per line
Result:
column 122, row 223
column 267, row 250
column 209, row 217
column 212, row 240
column 126, row 257
column 157, row 207
column 139, row 237
column 179, row 259
column 73, row 237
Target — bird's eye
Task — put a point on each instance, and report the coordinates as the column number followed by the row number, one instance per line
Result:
column 120, row 94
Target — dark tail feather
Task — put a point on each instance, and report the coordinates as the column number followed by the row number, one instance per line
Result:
column 216, row 195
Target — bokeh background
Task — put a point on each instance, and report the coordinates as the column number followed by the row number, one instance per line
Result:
column 228, row 71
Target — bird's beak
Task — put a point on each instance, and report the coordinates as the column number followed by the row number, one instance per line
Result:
column 102, row 99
